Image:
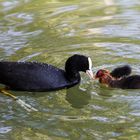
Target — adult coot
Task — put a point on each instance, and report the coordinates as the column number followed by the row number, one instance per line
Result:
column 33, row 76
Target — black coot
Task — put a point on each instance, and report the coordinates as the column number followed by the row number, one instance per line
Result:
column 33, row 76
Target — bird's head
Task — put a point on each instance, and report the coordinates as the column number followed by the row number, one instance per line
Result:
column 77, row 63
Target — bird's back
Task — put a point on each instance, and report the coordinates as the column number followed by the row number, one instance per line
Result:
column 32, row 76
column 131, row 82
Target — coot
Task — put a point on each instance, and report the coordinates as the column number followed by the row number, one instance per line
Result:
column 33, row 76
column 128, row 82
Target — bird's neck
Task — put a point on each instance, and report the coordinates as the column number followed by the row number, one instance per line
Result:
column 72, row 75
column 106, row 80
column 115, row 83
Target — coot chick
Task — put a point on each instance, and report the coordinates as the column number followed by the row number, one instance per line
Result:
column 130, row 82
column 121, row 71
column 33, row 76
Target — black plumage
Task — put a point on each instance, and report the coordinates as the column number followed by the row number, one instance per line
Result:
column 33, row 76
column 121, row 71
column 130, row 82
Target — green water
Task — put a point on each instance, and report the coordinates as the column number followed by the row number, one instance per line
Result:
column 52, row 30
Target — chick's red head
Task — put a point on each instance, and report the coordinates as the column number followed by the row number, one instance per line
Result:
column 102, row 72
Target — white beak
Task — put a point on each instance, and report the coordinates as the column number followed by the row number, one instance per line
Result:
column 90, row 73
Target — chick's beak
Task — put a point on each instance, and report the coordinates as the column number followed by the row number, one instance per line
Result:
column 90, row 74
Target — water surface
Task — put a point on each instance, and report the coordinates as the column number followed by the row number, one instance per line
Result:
column 50, row 31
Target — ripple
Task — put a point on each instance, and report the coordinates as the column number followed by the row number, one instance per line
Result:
column 12, row 40
column 18, row 19
column 9, row 5
column 29, row 57
column 6, row 129
column 84, row 118
column 64, row 9
column 101, row 119
column 96, row 107
column 123, row 49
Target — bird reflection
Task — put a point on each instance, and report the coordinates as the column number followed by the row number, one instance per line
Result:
column 78, row 97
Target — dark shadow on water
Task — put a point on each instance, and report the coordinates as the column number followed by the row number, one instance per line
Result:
column 78, row 97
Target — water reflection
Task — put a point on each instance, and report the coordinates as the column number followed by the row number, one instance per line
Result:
column 78, row 97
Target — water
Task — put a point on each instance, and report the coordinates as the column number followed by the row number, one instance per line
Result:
column 50, row 31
